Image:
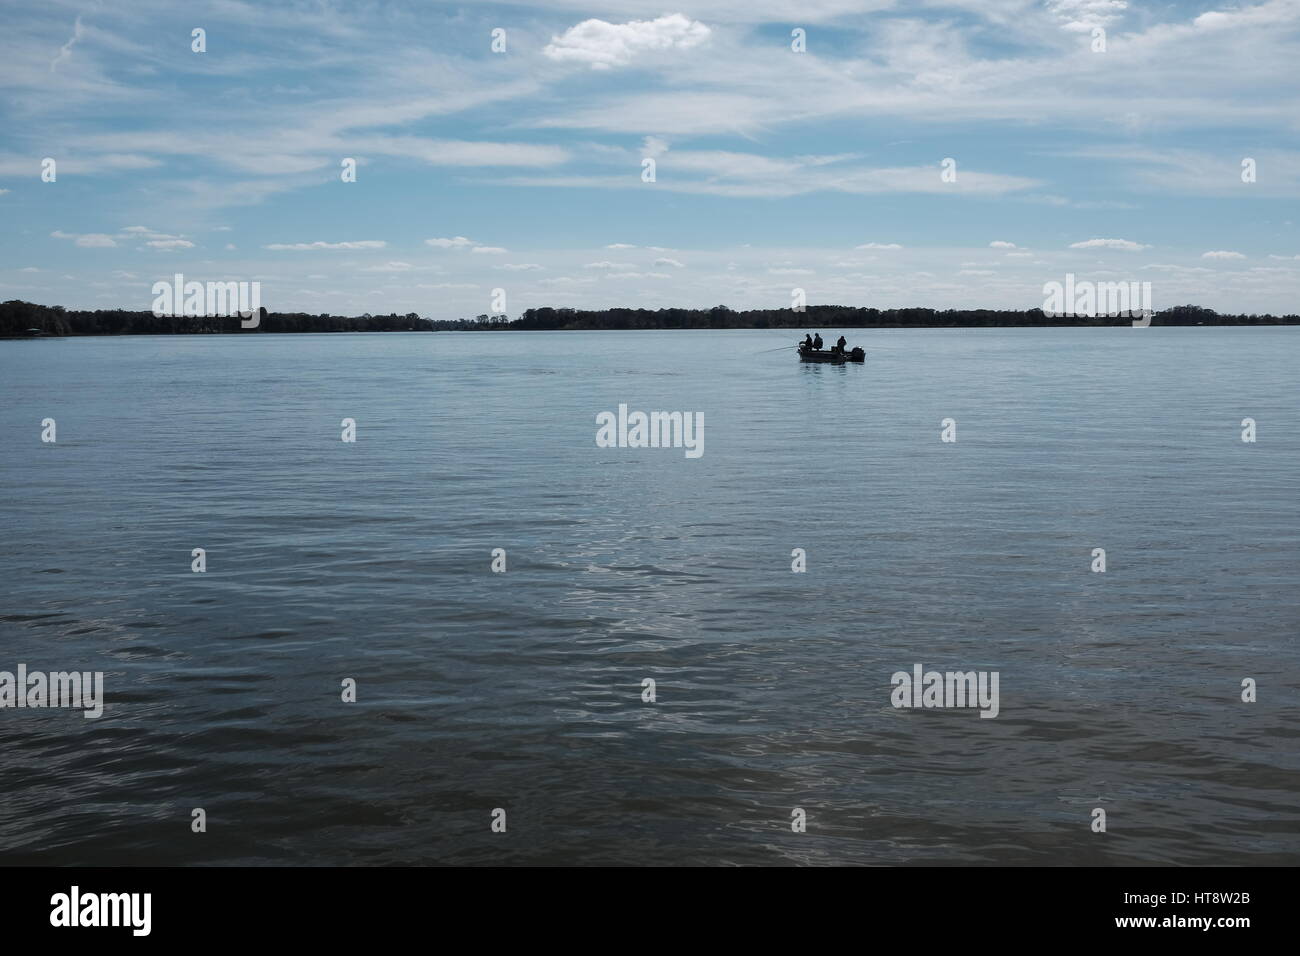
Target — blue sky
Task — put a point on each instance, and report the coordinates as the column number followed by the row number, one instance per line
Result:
column 775, row 169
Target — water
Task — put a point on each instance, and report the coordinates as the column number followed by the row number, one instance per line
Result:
column 371, row 561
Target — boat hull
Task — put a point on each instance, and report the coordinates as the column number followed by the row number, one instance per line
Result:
column 833, row 358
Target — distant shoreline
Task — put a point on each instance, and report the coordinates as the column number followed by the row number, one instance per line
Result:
column 738, row 328
column 20, row 319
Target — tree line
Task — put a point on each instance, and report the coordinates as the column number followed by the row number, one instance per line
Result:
column 854, row 317
column 18, row 318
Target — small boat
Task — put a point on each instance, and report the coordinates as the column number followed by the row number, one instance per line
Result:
column 826, row 355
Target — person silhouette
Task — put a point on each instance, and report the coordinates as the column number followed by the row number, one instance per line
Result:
column 841, row 344
column 817, row 342
column 807, row 341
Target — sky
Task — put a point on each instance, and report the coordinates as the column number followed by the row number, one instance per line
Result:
column 955, row 154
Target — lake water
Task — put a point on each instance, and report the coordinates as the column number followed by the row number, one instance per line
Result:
column 522, row 690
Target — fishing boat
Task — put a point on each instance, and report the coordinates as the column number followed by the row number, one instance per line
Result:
column 826, row 355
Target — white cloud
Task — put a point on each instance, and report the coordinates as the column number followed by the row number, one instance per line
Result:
column 1126, row 244
column 90, row 240
column 603, row 45
column 879, row 245
column 144, row 232
column 1080, row 16
column 456, row 242
column 80, row 164
column 65, row 51
column 299, row 246
column 1001, row 244
column 606, row 264
column 749, row 175
column 620, row 245
column 519, row 266
column 653, row 146
column 1222, row 254
column 1170, row 267
column 490, row 250
column 670, row 262
column 170, row 244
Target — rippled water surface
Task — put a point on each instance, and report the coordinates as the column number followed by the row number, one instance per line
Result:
column 329, row 560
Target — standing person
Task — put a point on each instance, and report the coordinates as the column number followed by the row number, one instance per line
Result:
column 817, row 342
column 840, row 345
